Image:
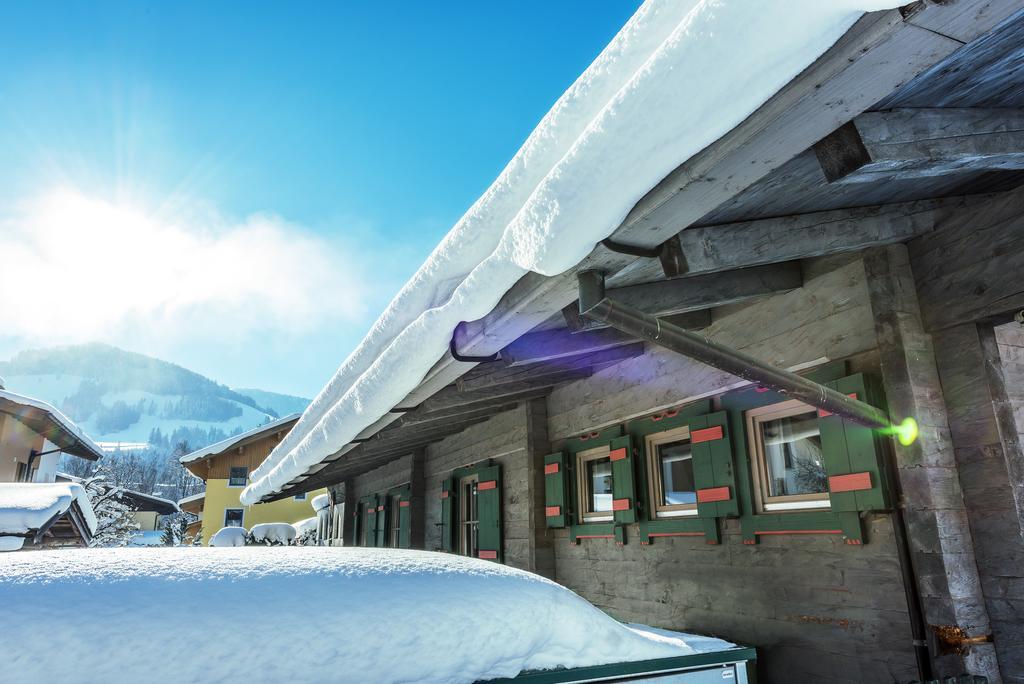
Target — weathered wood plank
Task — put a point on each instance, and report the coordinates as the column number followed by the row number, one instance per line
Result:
column 711, row 249
column 684, row 295
column 914, row 143
column 493, row 375
column 548, row 345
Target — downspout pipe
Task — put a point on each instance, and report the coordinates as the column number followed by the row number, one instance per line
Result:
column 595, row 304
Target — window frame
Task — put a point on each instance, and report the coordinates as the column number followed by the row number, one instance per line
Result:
column 763, row 501
column 297, row 497
column 245, row 477
column 241, row 520
column 581, row 459
column 655, row 481
column 464, row 524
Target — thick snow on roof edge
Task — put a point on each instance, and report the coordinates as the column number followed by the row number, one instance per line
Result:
column 678, row 76
column 28, row 506
column 422, row 617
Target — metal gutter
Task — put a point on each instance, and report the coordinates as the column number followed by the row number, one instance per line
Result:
column 595, row 304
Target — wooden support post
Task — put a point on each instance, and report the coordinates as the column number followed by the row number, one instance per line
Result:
column 542, row 552
column 417, row 498
column 348, row 520
column 939, row 536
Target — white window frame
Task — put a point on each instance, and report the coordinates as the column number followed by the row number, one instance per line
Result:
column 763, row 502
column 656, row 485
column 244, row 479
column 583, row 485
column 241, row 523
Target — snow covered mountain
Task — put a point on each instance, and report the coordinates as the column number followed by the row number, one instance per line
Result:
column 121, row 396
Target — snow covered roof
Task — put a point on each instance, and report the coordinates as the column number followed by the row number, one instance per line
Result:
column 225, row 444
column 44, row 419
column 189, row 499
column 320, row 502
column 27, row 508
column 424, row 617
column 149, row 502
column 677, row 77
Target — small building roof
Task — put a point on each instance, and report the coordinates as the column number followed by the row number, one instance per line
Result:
column 240, row 440
column 149, row 502
column 192, row 504
column 44, row 419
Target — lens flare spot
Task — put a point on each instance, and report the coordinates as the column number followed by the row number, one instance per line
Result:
column 906, row 432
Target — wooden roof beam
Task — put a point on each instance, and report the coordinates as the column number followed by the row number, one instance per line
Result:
column 914, row 143
column 686, row 302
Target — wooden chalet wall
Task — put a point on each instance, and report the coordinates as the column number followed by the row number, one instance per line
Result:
column 815, row 607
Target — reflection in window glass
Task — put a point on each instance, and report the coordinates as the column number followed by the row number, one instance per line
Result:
column 599, row 475
column 233, row 517
column 793, row 458
column 676, row 462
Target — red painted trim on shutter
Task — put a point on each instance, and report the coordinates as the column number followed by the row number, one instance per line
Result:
column 712, row 494
column 444, row 495
column 489, row 484
column 371, row 510
column 620, row 505
column 488, row 555
column 676, row 534
column 800, row 532
column 403, row 504
column 618, row 454
column 822, row 413
column 854, row 482
column 552, row 511
column 380, row 508
column 551, row 468
column 706, row 435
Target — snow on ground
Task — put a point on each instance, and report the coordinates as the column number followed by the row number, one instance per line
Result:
column 277, row 533
column 229, row 536
column 147, row 538
column 419, row 617
column 28, row 506
column 679, row 75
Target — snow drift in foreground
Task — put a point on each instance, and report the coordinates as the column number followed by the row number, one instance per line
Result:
column 28, row 506
column 678, row 76
column 361, row 615
column 229, row 536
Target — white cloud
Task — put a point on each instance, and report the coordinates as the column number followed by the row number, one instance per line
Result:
column 74, row 268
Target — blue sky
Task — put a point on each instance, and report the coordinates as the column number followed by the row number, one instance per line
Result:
column 241, row 188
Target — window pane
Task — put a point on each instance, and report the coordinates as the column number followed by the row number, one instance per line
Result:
column 793, row 458
column 676, row 463
column 233, row 517
column 238, row 476
column 599, row 476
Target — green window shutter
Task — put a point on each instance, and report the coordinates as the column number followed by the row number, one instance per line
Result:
column 623, row 480
column 382, row 519
column 853, row 454
column 447, row 513
column 555, row 499
column 369, row 507
column 405, row 517
column 488, row 501
column 713, row 472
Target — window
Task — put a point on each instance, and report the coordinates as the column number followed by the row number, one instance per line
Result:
column 238, row 476
column 469, row 518
column 24, row 474
column 594, row 484
column 394, row 521
column 300, row 497
column 670, row 463
column 789, row 466
column 233, row 517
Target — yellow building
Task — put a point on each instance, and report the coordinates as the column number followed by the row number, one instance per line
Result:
column 225, row 467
